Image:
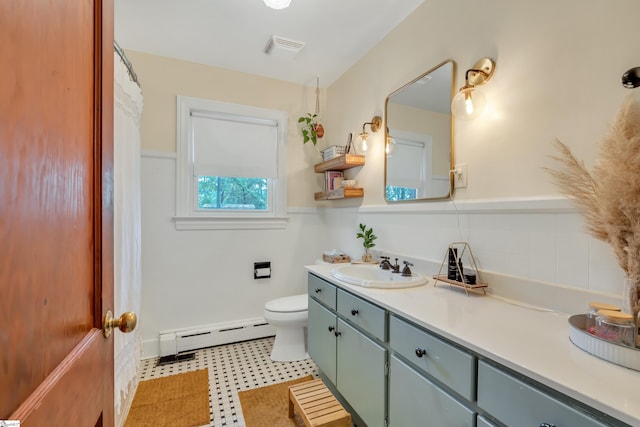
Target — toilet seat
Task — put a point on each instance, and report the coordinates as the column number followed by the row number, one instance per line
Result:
column 292, row 304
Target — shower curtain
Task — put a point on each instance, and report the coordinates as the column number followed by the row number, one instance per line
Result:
column 127, row 233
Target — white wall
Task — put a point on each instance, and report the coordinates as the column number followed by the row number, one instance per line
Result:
column 193, row 278
column 558, row 75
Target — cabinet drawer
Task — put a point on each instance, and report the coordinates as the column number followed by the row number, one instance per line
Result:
column 322, row 291
column 369, row 317
column 515, row 402
column 444, row 362
column 415, row 401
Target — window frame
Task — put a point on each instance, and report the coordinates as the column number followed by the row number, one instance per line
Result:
column 188, row 215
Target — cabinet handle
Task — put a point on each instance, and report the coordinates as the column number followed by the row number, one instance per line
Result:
column 354, row 312
column 337, row 334
column 547, row 425
column 318, row 290
column 422, row 352
column 331, row 328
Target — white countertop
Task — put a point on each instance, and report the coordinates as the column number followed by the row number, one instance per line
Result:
column 531, row 341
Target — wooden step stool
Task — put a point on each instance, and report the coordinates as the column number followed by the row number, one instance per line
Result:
column 317, row 406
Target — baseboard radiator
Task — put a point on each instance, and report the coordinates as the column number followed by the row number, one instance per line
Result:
column 180, row 340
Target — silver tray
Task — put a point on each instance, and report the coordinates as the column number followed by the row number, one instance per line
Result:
column 611, row 352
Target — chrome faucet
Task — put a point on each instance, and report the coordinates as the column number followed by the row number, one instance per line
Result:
column 385, row 264
column 406, row 271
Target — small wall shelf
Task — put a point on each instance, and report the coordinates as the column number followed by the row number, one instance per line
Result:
column 340, row 163
column 461, row 249
column 346, row 161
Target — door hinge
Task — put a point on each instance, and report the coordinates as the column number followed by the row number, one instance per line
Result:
column 386, row 369
column 386, row 422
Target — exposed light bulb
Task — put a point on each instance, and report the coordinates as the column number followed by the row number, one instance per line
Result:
column 277, row 4
column 363, row 138
column 390, row 146
column 468, row 103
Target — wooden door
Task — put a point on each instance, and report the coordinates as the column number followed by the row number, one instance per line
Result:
column 56, row 233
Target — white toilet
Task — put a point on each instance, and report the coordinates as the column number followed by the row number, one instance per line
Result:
column 289, row 316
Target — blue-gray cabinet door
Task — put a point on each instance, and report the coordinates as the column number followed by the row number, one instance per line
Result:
column 515, row 402
column 416, row 401
column 361, row 374
column 321, row 339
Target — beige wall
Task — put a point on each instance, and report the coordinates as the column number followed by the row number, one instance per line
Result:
column 558, row 75
column 162, row 79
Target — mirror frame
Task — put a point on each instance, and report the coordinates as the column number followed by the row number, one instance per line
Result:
column 451, row 145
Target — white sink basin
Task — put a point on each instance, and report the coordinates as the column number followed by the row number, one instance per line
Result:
column 372, row 276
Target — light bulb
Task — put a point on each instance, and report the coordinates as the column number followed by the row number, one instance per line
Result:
column 468, row 104
column 390, row 146
column 363, row 138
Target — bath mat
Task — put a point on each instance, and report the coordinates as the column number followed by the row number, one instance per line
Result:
column 180, row 400
column 269, row 406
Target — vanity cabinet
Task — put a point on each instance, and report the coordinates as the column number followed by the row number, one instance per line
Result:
column 387, row 367
column 346, row 340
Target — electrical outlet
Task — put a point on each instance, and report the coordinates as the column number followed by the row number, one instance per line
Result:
column 460, row 176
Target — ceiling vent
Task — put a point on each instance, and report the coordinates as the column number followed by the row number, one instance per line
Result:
column 280, row 46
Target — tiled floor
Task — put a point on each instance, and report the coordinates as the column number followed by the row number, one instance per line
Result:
column 232, row 368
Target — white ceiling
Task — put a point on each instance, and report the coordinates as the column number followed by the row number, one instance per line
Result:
column 232, row 34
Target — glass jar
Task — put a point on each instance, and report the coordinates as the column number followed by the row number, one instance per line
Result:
column 593, row 312
column 616, row 326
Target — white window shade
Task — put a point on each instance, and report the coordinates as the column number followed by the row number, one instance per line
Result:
column 405, row 168
column 234, row 146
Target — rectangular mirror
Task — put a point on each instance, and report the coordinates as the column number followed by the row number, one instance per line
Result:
column 419, row 135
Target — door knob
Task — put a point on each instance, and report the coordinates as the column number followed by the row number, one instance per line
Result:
column 126, row 323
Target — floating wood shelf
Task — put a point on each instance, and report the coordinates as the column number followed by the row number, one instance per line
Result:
column 341, row 193
column 346, row 161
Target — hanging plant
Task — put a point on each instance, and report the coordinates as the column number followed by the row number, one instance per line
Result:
column 309, row 129
column 312, row 130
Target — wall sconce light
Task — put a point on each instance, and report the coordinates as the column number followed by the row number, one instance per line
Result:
column 470, row 102
column 390, row 145
column 374, row 124
column 277, row 4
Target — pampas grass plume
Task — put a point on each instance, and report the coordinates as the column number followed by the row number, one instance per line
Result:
column 609, row 196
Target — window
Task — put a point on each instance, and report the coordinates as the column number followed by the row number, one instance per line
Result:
column 407, row 167
column 231, row 165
